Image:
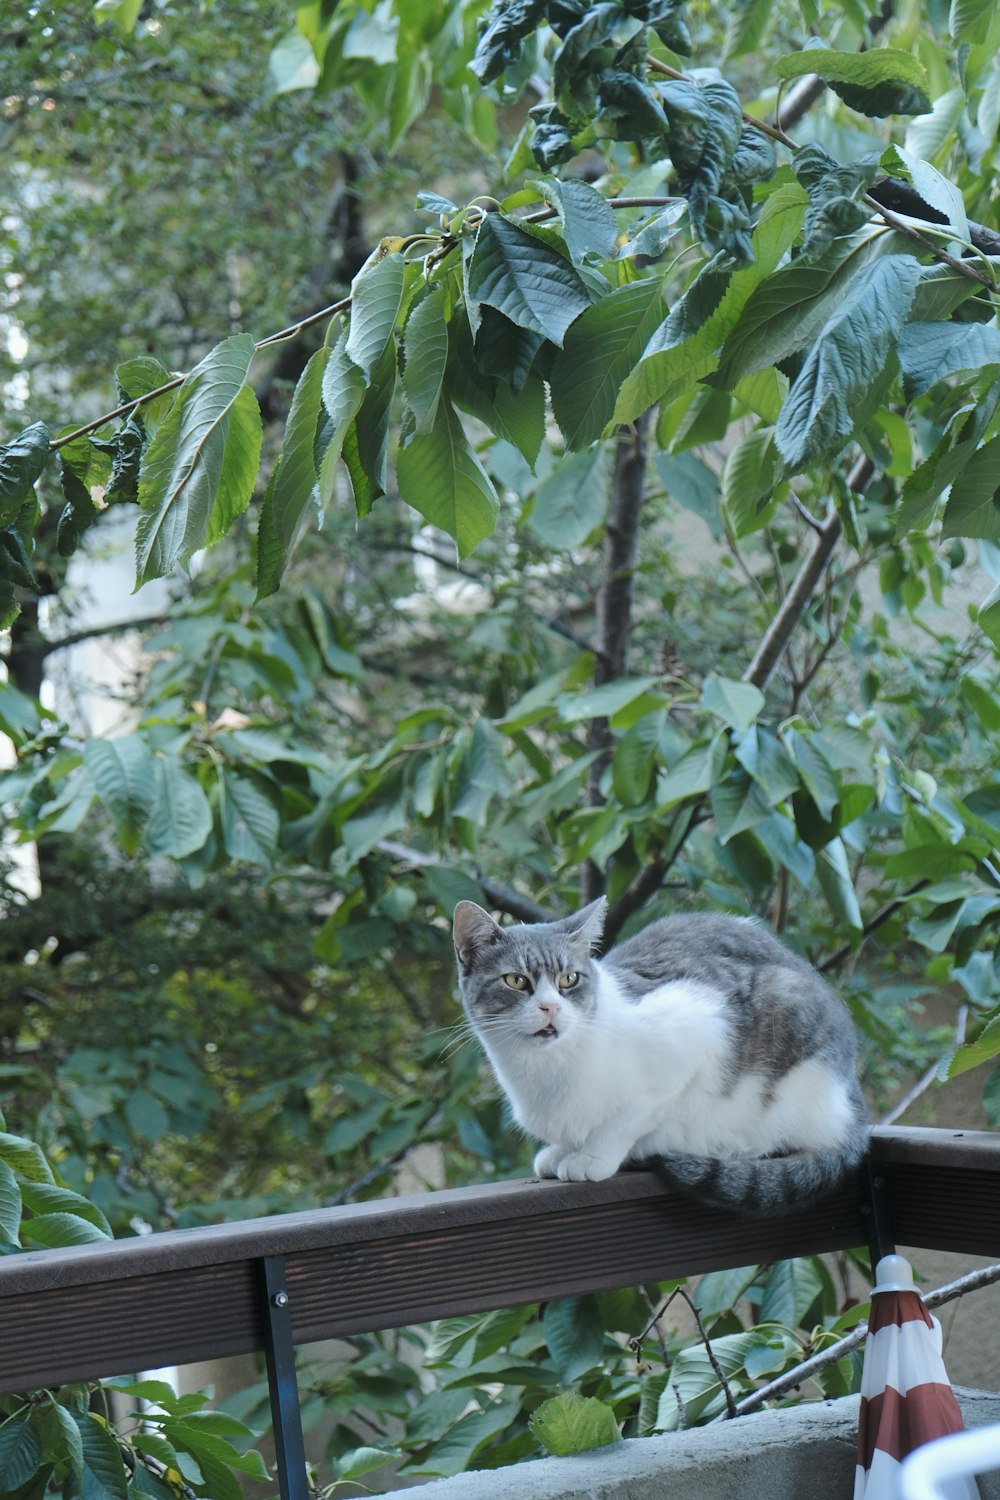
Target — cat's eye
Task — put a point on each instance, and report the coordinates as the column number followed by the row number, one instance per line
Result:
column 568, row 981
column 515, row 981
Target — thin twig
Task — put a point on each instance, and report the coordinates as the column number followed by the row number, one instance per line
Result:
column 292, row 331
column 635, row 1344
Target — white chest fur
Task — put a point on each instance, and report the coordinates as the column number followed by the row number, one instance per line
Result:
column 635, row 1060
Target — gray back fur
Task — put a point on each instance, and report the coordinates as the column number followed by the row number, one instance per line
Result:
column 782, row 1012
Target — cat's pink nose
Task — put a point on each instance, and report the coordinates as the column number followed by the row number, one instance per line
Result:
column 549, row 1009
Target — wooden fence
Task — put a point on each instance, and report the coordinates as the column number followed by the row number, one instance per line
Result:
column 268, row 1284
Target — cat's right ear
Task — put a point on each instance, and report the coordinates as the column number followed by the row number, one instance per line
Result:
column 588, row 924
column 473, row 928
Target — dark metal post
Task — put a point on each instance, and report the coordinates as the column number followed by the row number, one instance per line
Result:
column 876, row 1212
column 286, row 1414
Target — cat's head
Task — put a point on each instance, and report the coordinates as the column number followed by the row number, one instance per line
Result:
column 526, row 986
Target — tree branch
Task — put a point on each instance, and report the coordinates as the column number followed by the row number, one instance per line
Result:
column 796, row 601
column 614, row 605
column 95, row 632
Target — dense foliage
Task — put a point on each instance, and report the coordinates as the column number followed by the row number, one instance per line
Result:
column 622, row 516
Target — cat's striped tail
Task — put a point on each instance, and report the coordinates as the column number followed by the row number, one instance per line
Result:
column 760, row 1186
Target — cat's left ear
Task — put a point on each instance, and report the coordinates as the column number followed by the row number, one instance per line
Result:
column 473, row 928
column 588, row 924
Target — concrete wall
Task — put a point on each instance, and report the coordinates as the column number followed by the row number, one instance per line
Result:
column 799, row 1453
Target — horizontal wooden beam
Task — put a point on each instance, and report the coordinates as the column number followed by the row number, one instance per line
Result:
column 186, row 1295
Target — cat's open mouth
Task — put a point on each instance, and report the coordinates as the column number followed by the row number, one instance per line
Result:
column 547, row 1032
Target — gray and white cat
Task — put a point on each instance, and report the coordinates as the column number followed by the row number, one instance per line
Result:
column 701, row 1047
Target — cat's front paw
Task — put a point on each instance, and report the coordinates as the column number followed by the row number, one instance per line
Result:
column 581, row 1166
column 547, row 1161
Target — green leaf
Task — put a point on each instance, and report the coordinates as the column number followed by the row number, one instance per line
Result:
column 371, row 427
column 634, row 760
column 20, row 717
column 574, row 1332
column 982, row 1049
column 515, row 414
column 526, row 280
column 602, row 702
column 15, row 564
column 441, row 477
column 146, row 1115
column 138, row 377
column 748, row 480
column 159, row 1392
column 969, row 20
column 372, row 36
column 500, row 40
column 746, row 28
column 20, row 1451
column 449, row 886
column 182, row 817
column 692, row 775
column 929, row 352
column 57, row 1230
column 572, row 500
column 409, row 92
column 71, row 1437
column 585, row 216
column 25, row 1157
column 735, row 703
column 816, row 772
column 344, row 388
column 249, row 819
column 122, row 14
column 705, row 125
column 376, row 297
column 21, row 462
column 933, row 187
column 738, row 805
column 834, row 876
column 682, row 350
column 973, row 507
column 357, row 1462
column 925, row 136
column 483, row 775
column 571, row 1423
column 718, row 1291
column 205, row 1436
column 881, row 81
column 122, row 771
column 651, row 235
column 765, row 758
column 425, row 347
column 792, row 1288
column 10, row 1205
column 454, row 1452
column 79, row 512
column 47, row 1198
column 600, row 350
column 199, row 470
column 988, row 615
column 693, row 1390
column 293, row 483
column 848, row 357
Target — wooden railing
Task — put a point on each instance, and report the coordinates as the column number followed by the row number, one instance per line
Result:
column 267, row 1284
